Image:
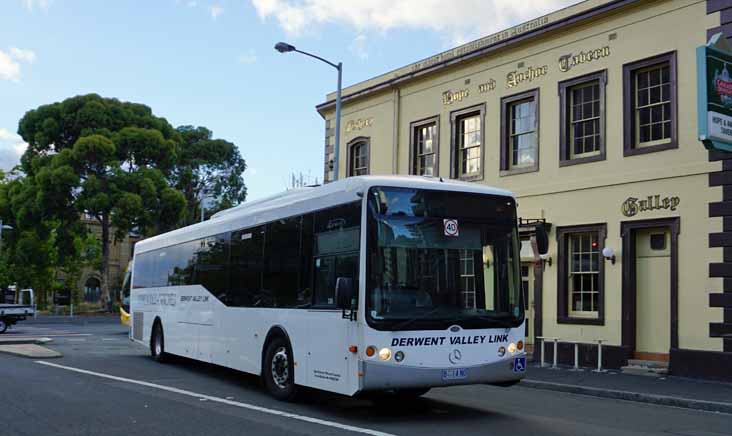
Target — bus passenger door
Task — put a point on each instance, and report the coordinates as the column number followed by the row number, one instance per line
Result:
column 331, row 366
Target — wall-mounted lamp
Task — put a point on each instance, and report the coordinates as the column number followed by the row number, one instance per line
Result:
column 609, row 254
column 546, row 259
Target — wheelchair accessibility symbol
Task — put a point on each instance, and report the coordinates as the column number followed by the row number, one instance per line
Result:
column 519, row 364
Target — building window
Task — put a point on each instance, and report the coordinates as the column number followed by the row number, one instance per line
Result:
column 520, row 133
column 650, row 104
column 580, row 291
column 582, row 119
column 467, row 143
column 358, row 157
column 424, row 147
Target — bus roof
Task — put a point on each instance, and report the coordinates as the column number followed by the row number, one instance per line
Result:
column 304, row 200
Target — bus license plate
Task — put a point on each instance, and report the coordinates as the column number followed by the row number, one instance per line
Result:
column 454, row 374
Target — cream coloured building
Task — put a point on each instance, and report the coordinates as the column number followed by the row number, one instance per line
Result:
column 589, row 115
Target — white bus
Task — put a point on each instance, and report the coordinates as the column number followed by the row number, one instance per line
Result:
column 367, row 284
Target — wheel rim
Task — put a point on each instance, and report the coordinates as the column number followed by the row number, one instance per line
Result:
column 158, row 343
column 280, row 368
column 2, row 325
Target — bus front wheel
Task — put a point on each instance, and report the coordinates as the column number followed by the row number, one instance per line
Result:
column 157, row 343
column 3, row 325
column 279, row 370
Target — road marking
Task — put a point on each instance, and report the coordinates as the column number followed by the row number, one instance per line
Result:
column 204, row 397
column 59, row 335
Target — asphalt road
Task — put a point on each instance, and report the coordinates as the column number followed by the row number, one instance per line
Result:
column 106, row 385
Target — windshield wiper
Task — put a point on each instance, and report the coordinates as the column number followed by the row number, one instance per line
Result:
column 499, row 321
column 405, row 323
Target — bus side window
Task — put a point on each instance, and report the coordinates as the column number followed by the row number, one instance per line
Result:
column 211, row 270
column 305, row 278
column 282, row 259
column 247, row 249
column 337, row 242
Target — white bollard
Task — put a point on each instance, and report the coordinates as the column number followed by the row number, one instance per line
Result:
column 599, row 357
column 543, row 340
column 576, row 358
column 554, row 363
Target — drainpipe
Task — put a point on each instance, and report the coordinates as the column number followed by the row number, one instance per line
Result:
column 395, row 132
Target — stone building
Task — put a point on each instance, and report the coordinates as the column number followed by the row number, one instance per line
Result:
column 589, row 115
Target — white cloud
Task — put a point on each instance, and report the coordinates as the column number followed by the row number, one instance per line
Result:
column 215, row 11
column 9, row 69
column 458, row 20
column 23, row 55
column 249, row 58
column 12, row 148
column 192, row 4
column 41, row 4
column 358, row 47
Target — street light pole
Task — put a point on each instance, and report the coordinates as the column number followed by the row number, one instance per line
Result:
column 284, row 47
column 337, row 151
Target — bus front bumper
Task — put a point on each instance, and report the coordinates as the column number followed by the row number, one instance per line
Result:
column 385, row 376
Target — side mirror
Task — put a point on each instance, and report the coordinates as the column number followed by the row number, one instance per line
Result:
column 344, row 293
column 542, row 240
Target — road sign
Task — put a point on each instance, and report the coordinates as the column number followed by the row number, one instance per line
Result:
column 714, row 88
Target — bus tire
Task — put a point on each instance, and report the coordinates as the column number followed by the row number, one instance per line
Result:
column 157, row 343
column 278, row 370
column 3, row 325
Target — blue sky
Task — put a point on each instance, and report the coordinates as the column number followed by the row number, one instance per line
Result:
column 211, row 62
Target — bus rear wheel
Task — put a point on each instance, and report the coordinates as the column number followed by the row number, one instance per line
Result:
column 278, row 370
column 3, row 325
column 157, row 343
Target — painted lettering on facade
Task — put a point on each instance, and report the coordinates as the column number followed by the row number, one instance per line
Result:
column 450, row 97
column 487, row 86
column 632, row 206
column 517, row 77
column 477, row 45
column 361, row 123
column 566, row 62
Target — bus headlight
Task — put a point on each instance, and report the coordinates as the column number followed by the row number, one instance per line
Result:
column 399, row 356
column 501, row 351
column 520, row 345
column 370, row 351
column 385, row 354
column 511, row 348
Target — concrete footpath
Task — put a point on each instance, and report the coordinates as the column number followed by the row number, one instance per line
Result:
column 76, row 319
column 666, row 391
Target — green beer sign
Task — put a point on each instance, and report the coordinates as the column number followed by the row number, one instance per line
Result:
column 714, row 75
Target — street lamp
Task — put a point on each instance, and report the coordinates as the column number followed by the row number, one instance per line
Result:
column 284, row 47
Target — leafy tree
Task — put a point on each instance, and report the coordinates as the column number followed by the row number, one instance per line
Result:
column 100, row 157
column 210, row 166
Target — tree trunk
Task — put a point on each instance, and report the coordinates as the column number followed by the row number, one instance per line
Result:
column 104, row 269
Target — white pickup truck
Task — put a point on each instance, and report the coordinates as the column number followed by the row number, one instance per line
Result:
column 12, row 313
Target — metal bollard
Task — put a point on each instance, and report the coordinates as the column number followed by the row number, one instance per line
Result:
column 542, row 339
column 599, row 357
column 576, row 358
column 554, row 363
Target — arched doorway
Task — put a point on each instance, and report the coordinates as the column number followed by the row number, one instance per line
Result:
column 92, row 290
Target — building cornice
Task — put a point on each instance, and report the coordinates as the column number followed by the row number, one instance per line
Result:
column 491, row 43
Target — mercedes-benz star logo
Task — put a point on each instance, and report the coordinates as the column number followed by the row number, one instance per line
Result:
column 455, row 356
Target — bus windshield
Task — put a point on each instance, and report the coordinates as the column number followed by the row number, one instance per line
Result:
column 439, row 258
